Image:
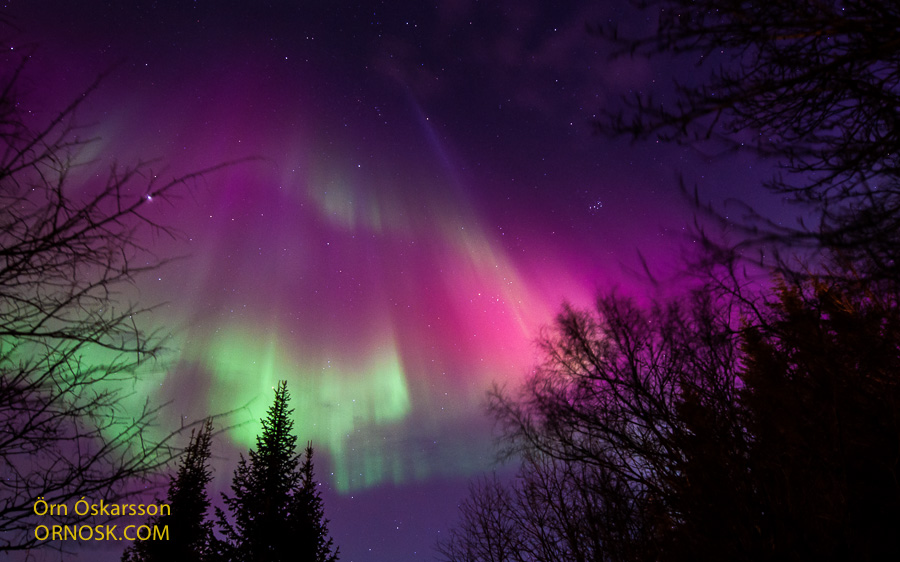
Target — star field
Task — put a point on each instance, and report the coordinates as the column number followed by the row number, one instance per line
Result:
column 425, row 190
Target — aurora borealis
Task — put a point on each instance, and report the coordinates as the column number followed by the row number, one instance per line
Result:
column 425, row 190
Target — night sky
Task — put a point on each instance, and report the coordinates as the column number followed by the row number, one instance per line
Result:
column 427, row 190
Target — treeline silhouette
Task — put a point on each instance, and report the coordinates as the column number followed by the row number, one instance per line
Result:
column 664, row 433
column 746, row 419
column 274, row 512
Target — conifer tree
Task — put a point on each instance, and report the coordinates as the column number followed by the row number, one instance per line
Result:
column 190, row 533
column 276, row 512
column 313, row 529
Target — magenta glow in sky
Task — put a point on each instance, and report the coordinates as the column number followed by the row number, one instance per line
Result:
column 426, row 192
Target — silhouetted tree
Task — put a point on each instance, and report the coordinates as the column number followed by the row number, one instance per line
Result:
column 553, row 511
column 822, row 407
column 597, row 428
column 489, row 530
column 189, row 531
column 814, row 85
column 815, row 475
column 276, row 510
column 70, row 340
column 312, row 539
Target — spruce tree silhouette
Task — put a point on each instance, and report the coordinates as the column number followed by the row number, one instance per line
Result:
column 313, row 531
column 190, row 533
column 277, row 513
